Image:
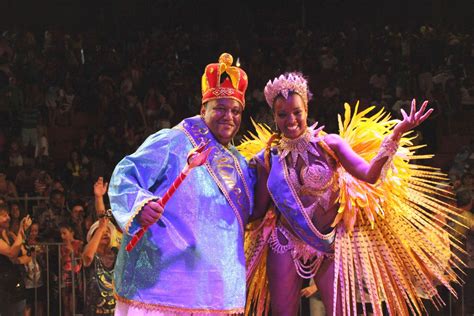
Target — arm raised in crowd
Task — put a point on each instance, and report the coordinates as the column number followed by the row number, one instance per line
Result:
column 12, row 251
column 92, row 246
column 100, row 189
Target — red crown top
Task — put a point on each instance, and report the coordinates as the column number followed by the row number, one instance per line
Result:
column 222, row 80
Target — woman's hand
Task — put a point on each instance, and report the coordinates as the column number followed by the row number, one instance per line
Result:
column 415, row 118
column 100, row 188
column 25, row 223
column 103, row 222
column 309, row 291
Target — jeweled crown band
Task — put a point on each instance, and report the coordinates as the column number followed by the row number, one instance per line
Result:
column 284, row 85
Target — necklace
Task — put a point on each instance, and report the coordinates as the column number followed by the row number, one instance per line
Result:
column 300, row 146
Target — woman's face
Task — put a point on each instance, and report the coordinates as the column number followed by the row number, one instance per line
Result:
column 15, row 210
column 66, row 234
column 105, row 240
column 290, row 115
column 34, row 231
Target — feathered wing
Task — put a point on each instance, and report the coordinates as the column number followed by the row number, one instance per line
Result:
column 257, row 233
column 391, row 242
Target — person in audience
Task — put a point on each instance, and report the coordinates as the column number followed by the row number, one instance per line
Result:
column 70, row 252
column 11, row 282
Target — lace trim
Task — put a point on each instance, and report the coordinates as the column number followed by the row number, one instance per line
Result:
column 135, row 213
column 388, row 148
column 165, row 308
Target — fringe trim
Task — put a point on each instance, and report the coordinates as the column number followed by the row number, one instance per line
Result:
column 166, row 308
column 307, row 260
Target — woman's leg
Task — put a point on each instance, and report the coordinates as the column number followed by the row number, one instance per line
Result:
column 285, row 284
column 324, row 280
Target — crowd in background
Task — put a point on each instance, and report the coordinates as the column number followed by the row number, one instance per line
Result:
column 132, row 85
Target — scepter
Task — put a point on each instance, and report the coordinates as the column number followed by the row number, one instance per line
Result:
column 196, row 157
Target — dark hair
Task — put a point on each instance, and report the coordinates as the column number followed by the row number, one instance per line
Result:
column 77, row 202
column 465, row 176
column 4, row 209
column 66, row 225
column 463, row 198
column 56, row 192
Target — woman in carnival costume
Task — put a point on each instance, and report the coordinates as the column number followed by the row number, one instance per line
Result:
column 348, row 210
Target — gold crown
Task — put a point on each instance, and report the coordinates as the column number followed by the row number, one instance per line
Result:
column 233, row 86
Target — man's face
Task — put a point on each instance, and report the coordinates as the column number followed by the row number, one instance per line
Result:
column 57, row 201
column 223, row 117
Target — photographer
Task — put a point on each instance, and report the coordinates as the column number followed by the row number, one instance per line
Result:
column 11, row 283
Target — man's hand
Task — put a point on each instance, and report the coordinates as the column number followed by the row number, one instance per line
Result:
column 150, row 213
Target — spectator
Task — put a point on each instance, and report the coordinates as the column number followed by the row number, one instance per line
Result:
column 25, row 179
column 328, row 61
column 467, row 94
column 67, row 99
column 75, row 164
column 465, row 231
column 133, row 112
column 99, row 256
column 11, row 283
column 378, row 81
column 77, row 220
column 15, row 218
column 15, row 156
column 52, row 101
column 35, row 293
column 41, row 145
column 165, row 113
column 151, row 105
column 402, row 103
column 29, row 118
column 331, row 94
column 71, row 266
column 7, row 188
column 50, row 218
column 467, row 183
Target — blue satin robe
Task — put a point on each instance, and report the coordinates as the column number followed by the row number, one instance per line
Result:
column 193, row 259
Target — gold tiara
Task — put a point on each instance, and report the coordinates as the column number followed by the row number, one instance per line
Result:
column 285, row 84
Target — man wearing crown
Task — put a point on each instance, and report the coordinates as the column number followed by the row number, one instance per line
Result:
column 191, row 260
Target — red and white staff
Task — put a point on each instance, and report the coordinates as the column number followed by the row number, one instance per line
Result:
column 196, row 157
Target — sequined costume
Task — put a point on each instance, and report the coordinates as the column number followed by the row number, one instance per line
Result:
column 388, row 242
column 100, row 297
column 299, row 196
column 193, row 259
